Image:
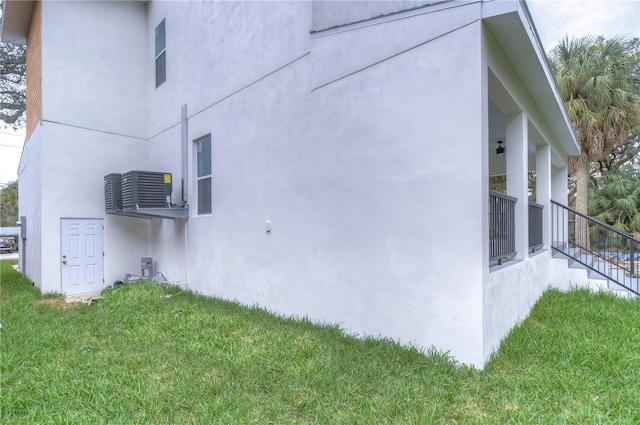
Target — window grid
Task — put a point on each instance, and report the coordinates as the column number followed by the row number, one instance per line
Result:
column 160, row 54
column 203, row 174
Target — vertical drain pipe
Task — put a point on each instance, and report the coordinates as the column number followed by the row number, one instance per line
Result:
column 184, row 134
column 185, row 149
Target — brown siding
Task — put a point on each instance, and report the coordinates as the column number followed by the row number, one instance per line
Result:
column 34, row 70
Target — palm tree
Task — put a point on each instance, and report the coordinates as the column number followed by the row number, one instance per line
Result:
column 616, row 201
column 599, row 81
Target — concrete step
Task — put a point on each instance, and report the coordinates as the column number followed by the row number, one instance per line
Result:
column 603, row 273
column 622, row 294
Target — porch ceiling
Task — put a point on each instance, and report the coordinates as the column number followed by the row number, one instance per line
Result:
column 498, row 131
column 513, row 30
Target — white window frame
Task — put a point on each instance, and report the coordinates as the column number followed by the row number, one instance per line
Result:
column 201, row 207
column 161, row 54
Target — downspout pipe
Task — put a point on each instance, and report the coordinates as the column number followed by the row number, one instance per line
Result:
column 184, row 130
column 184, row 134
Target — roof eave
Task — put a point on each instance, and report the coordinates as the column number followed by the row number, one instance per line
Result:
column 16, row 17
column 541, row 85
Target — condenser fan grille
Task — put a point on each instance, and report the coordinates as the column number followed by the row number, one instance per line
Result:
column 145, row 189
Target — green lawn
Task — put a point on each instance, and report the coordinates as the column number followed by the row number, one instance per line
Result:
column 156, row 355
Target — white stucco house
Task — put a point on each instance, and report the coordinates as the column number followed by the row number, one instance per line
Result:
column 329, row 159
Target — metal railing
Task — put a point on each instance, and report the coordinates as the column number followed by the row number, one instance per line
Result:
column 502, row 242
column 611, row 253
column 535, row 227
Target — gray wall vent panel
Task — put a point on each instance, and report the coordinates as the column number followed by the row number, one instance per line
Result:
column 112, row 193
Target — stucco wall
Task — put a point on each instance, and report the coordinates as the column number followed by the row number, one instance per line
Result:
column 29, row 187
column 93, row 107
column 366, row 181
column 511, row 290
column 329, row 14
column 167, row 237
column 402, row 161
column 72, row 187
column 215, row 49
column 509, row 294
column 363, row 152
column 94, row 67
column 69, row 184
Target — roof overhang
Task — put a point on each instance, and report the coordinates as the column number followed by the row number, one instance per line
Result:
column 16, row 17
column 512, row 27
column 9, row 231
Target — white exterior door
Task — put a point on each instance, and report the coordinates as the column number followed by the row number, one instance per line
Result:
column 82, row 262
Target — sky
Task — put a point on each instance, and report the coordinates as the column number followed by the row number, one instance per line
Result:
column 553, row 19
column 10, row 151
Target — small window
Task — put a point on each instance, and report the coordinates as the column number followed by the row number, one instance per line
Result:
column 161, row 55
column 203, row 174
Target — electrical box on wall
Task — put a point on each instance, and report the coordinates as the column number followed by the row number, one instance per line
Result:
column 23, row 227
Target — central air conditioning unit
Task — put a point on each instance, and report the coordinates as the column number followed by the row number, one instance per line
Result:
column 146, row 189
column 113, row 193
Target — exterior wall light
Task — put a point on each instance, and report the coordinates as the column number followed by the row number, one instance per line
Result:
column 500, row 150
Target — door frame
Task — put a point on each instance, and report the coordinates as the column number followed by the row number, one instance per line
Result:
column 100, row 280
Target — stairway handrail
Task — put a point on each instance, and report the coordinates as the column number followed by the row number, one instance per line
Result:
column 595, row 220
column 621, row 274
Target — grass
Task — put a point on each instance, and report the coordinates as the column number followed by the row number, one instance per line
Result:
column 148, row 354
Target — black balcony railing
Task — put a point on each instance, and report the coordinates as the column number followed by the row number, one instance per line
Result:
column 502, row 242
column 535, row 227
column 611, row 253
